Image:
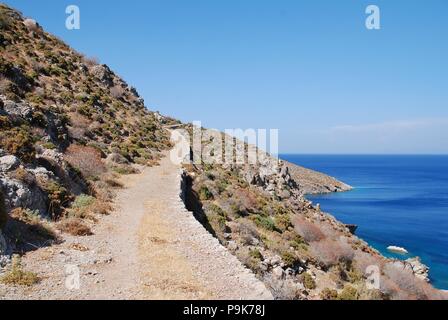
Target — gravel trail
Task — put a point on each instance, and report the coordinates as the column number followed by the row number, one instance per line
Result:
column 150, row 247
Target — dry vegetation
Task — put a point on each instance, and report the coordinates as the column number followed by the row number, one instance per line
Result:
column 320, row 258
column 75, row 127
column 18, row 276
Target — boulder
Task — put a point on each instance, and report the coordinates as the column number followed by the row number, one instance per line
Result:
column 8, row 163
column 31, row 24
column 103, row 73
column 278, row 272
column 420, row 270
column 17, row 194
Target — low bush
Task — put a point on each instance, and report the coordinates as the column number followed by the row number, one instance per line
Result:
column 309, row 231
column 349, row 293
column 17, row 276
column 308, row 281
column 205, row 194
column 86, row 206
column 289, row 259
column 298, row 243
column 264, row 222
column 329, row 294
column 283, row 222
column 87, row 160
column 19, row 142
column 256, row 254
column 406, row 283
column 83, row 201
column 330, row 252
column 58, row 197
column 75, row 227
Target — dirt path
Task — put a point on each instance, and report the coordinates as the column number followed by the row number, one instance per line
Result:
column 151, row 247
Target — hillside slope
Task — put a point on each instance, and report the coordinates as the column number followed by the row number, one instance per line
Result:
column 69, row 127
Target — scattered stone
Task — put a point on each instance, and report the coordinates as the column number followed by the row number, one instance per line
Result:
column 9, row 163
column 278, row 272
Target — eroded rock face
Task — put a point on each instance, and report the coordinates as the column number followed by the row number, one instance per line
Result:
column 103, row 73
column 273, row 176
column 420, row 270
column 18, row 109
column 17, row 194
column 414, row 266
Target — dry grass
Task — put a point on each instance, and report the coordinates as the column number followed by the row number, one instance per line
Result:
column 35, row 225
column 87, row 160
column 309, row 231
column 91, row 61
column 74, row 227
column 330, row 252
column 401, row 284
column 117, row 92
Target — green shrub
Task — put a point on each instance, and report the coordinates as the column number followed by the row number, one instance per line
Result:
column 83, row 201
column 3, row 213
column 308, row 281
column 256, row 254
column 205, row 194
column 58, row 197
column 289, row 259
column 298, row 243
column 283, row 222
column 19, row 142
column 264, row 222
column 217, row 209
column 222, row 185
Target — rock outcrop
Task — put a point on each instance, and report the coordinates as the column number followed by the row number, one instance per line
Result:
column 313, row 182
column 420, row 270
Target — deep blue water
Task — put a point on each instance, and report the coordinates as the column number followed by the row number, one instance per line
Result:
column 398, row 200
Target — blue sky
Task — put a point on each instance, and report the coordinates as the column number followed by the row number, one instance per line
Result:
column 309, row 68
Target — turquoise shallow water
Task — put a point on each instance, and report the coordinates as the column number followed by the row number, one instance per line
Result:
column 398, row 200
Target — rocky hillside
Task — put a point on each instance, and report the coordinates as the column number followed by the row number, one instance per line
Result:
column 260, row 214
column 68, row 126
column 312, row 182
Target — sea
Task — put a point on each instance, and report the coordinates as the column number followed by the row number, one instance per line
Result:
column 398, row 200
